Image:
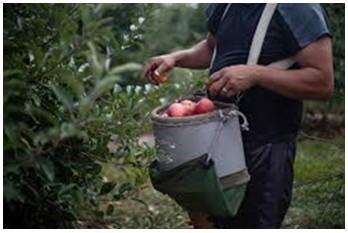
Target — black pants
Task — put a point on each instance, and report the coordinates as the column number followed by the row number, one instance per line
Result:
column 269, row 190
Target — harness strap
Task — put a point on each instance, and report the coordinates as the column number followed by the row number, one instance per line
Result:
column 283, row 64
column 259, row 37
column 260, row 33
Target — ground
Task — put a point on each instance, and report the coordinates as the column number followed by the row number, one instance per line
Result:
column 318, row 195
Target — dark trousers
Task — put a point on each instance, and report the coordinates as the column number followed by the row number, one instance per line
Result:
column 268, row 194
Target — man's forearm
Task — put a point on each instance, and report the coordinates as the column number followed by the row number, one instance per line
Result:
column 305, row 83
column 197, row 57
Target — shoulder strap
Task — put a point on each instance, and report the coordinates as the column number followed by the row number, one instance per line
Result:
column 259, row 37
column 260, row 33
column 225, row 12
column 283, row 64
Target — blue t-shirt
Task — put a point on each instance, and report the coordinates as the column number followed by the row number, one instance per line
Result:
column 293, row 26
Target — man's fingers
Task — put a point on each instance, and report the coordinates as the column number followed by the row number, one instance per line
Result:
column 232, row 89
column 145, row 70
column 162, row 68
column 155, row 69
column 214, row 77
column 148, row 70
column 215, row 87
column 150, row 73
column 152, row 78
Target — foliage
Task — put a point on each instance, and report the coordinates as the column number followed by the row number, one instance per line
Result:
column 336, row 21
column 168, row 33
column 72, row 105
column 62, row 107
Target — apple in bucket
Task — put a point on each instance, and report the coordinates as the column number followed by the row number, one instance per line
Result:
column 176, row 110
column 189, row 108
column 203, row 106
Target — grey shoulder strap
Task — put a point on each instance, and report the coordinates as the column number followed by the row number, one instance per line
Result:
column 225, row 11
column 259, row 37
column 260, row 33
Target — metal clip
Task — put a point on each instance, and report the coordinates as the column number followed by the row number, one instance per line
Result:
column 245, row 124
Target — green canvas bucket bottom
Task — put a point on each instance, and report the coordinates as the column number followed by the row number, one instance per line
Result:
column 196, row 187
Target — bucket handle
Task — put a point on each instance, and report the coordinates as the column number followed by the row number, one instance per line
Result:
column 235, row 113
column 245, row 124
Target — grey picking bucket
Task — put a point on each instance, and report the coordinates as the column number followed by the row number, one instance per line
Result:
column 200, row 160
column 182, row 139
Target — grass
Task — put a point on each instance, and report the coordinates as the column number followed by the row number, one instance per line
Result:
column 318, row 194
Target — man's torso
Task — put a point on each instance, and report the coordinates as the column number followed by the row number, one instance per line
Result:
column 272, row 117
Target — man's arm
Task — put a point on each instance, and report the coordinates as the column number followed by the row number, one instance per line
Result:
column 314, row 80
column 197, row 57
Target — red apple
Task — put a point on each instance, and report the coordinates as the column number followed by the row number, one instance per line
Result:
column 203, row 106
column 176, row 110
column 189, row 106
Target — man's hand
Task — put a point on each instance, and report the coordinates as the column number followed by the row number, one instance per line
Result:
column 157, row 67
column 197, row 57
column 232, row 80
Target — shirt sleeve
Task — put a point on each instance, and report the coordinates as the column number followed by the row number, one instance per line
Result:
column 302, row 24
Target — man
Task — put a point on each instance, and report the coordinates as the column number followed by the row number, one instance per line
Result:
column 272, row 98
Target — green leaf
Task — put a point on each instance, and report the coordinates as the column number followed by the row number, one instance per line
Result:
column 107, row 188
column 8, row 73
column 47, row 167
column 73, row 82
column 67, row 130
column 11, row 133
column 40, row 113
column 66, row 188
column 102, row 86
column 128, row 67
column 63, row 97
column 94, row 61
column 25, row 142
column 11, row 192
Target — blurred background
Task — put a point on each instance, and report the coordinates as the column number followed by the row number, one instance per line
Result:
column 76, row 118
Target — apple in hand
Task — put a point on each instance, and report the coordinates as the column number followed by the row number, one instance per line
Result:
column 203, row 106
column 176, row 110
